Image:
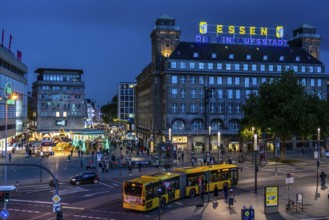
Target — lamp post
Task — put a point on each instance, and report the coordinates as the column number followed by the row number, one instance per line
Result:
column 169, row 135
column 318, row 159
column 209, row 132
column 218, row 146
column 255, row 156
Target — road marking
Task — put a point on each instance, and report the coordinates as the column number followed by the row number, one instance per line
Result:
column 35, row 201
column 88, row 195
column 104, row 184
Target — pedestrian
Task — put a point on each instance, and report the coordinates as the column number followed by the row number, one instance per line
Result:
column 140, row 166
column 183, row 155
column 69, row 158
column 231, row 198
column 202, row 194
column 9, row 157
column 17, row 186
column 225, row 190
column 216, row 192
column 323, row 177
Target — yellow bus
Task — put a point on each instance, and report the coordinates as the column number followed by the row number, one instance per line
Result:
column 142, row 193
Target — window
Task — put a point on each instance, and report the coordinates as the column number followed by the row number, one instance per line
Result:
column 303, row 82
column 270, row 68
column 64, row 114
column 248, row 57
column 254, row 81
column 219, row 80
column 201, row 80
column 201, row 107
column 174, row 108
column 219, row 66
column 234, row 125
column 230, row 108
column 182, row 80
column 220, row 94
column 297, row 58
column 57, row 114
column 279, row 68
column 312, row 82
column 183, row 93
column 248, row 92
column 183, row 65
column 246, row 82
column 319, row 69
column 265, row 57
column 237, row 80
column 213, row 55
column 193, row 93
column 174, row 94
column 193, row 108
column 281, row 58
column 201, row 94
column 173, row 65
column 193, row 80
column 197, row 125
column 295, row 69
column 310, row 69
column 174, row 79
column 212, row 93
column 229, row 80
column 210, row 66
column 238, row 108
column 303, row 69
column 192, row 65
column 201, row 66
column 178, row 125
column 263, row 80
column 182, row 107
column 238, row 94
column 212, row 108
column 237, row 66
column 253, row 67
column 195, row 55
column 245, row 67
column 230, row 94
column 211, row 80
column 231, row 56
column 319, row 82
column 221, row 108
column 262, row 67
column 228, row 66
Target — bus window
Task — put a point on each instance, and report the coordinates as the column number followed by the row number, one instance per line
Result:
column 133, row 189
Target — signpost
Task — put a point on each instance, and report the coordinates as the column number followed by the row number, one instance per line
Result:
column 4, row 214
column 56, row 198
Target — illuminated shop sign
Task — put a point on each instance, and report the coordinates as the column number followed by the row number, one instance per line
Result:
column 61, row 122
column 247, row 35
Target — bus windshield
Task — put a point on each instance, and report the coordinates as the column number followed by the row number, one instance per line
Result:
column 133, row 189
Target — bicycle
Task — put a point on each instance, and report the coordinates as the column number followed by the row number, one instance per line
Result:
column 290, row 206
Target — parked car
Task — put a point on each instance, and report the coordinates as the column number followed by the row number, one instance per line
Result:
column 85, row 177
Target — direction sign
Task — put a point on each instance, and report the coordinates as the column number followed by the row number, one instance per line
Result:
column 56, row 207
column 4, row 214
column 56, row 198
column 7, row 188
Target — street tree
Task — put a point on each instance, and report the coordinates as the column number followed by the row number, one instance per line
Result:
column 110, row 110
column 284, row 108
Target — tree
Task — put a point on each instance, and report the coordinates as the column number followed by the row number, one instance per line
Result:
column 284, row 107
column 110, row 110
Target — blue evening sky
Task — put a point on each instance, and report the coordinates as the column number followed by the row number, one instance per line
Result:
column 110, row 40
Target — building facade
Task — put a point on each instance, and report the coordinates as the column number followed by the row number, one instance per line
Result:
column 191, row 91
column 126, row 95
column 13, row 80
column 58, row 100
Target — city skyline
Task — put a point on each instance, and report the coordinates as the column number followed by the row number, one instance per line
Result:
column 110, row 41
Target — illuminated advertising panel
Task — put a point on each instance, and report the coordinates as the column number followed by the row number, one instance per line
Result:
column 247, row 35
column 271, row 196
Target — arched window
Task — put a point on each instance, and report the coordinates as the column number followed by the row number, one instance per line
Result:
column 178, row 125
column 217, row 125
column 197, row 125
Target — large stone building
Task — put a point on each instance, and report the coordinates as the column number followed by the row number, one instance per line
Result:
column 13, row 80
column 192, row 90
column 58, row 100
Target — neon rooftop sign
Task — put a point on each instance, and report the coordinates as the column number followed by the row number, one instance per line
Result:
column 230, row 34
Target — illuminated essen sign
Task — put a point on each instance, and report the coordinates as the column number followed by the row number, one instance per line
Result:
column 229, row 34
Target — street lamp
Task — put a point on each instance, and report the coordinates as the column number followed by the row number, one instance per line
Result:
column 318, row 159
column 218, row 145
column 209, row 132
column 255, row 153
column 169, row 135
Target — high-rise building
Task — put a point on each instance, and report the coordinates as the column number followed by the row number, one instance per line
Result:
column 126, row 101
column 192, row 90
column 13, row 80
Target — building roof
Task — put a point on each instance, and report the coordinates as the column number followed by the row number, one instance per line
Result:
column 46, row 70
column 224, row 52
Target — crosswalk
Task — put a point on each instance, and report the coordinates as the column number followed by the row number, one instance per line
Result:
column 66, row 188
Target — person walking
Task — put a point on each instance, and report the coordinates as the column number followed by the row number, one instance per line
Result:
column 231, row 198
column 323, row 177
column 225, row 190
column 140, row 166
column 216, row 190
column 202, row 194
column 10, row 157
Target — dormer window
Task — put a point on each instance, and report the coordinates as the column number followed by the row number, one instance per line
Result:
column 281, row 58
column 298, row 59
column 265, row 57
column 195, row 55
column 213, row 55
column 248, row 57
column 231, row 56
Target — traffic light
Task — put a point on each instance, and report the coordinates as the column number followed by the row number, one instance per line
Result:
column 4, row 196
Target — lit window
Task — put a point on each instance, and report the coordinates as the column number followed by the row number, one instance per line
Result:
column 219, row 80
column 213, row 55
column 237, row 80
column 231, row 56
column 219, row 66
column 253, row 67
column 237, row 66
column 265, row 57
column 211, row 80
column 297, row 58
column 195, row 55
column 173, row 65
column 228, row 66
column 245, row 67
column 201, row 66
column 262, row 67
column 210, row 66
column 281, row 58
column 319, row 82
column 64, row 114
column 57, row 114
column 192, row 65
column 183, row 65
column 248, row 57
column 174, row 79
column 270, row 68
column 229, row 80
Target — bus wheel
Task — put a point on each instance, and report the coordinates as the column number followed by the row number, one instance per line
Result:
column 163, row 202
column 192, row 193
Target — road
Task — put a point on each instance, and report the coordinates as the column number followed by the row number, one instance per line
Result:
column 103, row 200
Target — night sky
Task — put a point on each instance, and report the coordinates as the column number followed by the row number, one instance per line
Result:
column 110, row 40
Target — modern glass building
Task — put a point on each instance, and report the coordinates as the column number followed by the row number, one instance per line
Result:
column 126, row 101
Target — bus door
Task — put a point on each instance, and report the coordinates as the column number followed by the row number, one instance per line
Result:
column 182, row 185
column 234, row 176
